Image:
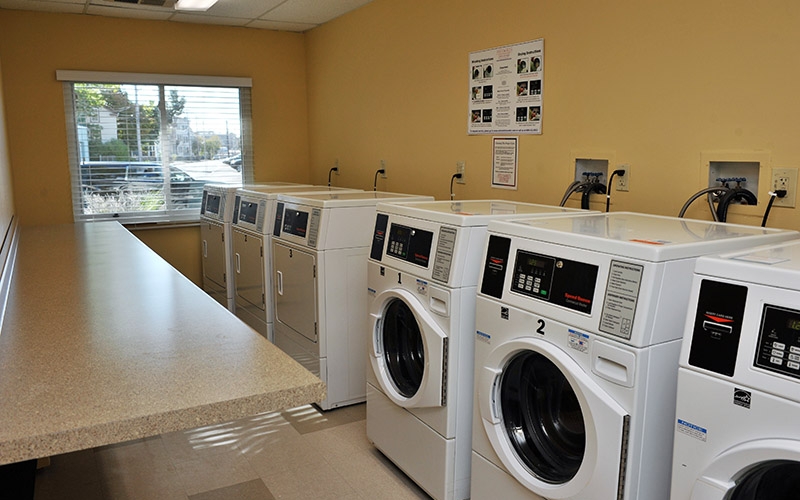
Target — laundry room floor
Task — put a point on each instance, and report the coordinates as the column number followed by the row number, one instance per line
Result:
column 301, row 453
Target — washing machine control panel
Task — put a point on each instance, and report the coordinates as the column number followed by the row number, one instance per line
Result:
column 295, row 222
column 251, row 213
column 564, row 282
column 212, row 204
column 778, row 347
column 410, row 244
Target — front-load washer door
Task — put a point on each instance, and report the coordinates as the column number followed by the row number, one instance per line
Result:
column 766, row 469
column 409, row 350
column 555, row 430
column 295, row 286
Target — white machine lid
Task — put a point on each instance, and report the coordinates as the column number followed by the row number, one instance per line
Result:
column 774, row 265
column 347, row 199
column 232, row 187
column 222, row 188
column 271, row 192
column 474, row 212
column 641, row 236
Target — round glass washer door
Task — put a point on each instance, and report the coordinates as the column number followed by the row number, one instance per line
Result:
column 772, row 480
column 408, row 350
column 553, row 428
column 403, row 348
column 542, row 417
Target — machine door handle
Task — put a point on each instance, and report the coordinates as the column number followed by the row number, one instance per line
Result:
column 238, row 264
column 280, row 282
column 205, row 249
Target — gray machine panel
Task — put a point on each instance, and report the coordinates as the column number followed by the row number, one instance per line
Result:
column 295, row 284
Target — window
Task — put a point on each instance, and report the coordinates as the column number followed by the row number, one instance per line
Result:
column 142, row 147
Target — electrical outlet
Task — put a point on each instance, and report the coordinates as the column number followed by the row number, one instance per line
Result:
column 622, row 182
column 383, row 167
column 461, row 169
column 785, row 178
column 336, row 164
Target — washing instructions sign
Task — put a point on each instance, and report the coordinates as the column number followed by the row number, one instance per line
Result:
column 622, row 293
column 505, row 89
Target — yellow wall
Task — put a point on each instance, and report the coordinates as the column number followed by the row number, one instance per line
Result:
column 6, row 192
column 33, row 45
column 660, row 86
column 650, row 84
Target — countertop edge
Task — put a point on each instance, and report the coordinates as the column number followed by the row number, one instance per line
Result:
column 70, row 440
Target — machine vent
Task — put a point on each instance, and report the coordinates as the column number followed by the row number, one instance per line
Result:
column 169, row 4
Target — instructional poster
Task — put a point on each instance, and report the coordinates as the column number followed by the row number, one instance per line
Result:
column 505, row 89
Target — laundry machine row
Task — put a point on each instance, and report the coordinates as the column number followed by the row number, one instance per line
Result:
column 579, row 323
column 216, row 218
column 738, row 405
column 422, row 275
column 251, row 262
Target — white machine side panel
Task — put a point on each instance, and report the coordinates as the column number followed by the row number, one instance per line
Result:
column 670, row 301
column 652, row 417
column 343, row 325
column 346, row 227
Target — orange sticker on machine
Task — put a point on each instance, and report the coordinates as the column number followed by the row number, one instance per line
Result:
column 649, row 242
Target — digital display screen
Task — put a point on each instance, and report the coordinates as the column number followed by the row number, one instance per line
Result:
column 248, row 211
column 779, row 341
column 537, row 263
column 212, row 203
column 295, row 222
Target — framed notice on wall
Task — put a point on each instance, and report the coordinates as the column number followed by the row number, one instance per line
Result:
column 504, row 162
column 505, row 89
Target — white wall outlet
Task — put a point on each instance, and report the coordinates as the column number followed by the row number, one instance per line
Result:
column 784, row 178
column 622, row 182
column 461, row 167
column 384, row 174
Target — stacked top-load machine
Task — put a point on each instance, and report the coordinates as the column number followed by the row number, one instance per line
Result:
column 578, row 329
column 253, row 219
column 216, row 217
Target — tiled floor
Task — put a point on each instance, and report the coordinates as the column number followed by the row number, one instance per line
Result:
column 301, row 453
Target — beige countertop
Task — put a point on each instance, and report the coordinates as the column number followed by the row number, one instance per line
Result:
column 103, row 342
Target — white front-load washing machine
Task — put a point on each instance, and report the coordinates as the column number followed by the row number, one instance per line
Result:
column 578, row 328
column 252, row 227
column 423, row 270
column 737, row 435
column 216, row 217
column 319, row 256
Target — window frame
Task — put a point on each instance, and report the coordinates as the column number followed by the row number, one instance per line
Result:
column 168, row 214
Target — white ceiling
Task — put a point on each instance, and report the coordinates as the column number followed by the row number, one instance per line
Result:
column 283, row 15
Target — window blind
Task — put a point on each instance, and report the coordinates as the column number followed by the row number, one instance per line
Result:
column 142, row 152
